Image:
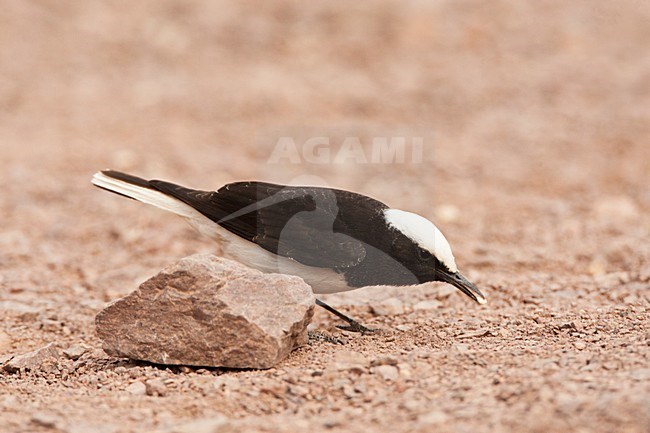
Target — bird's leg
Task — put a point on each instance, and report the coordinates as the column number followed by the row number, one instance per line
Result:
column 352, row 326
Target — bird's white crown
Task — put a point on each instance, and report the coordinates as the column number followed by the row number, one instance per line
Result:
column 424, row 233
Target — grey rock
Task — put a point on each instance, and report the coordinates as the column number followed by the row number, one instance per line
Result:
column 209, row 311
column 33, row 360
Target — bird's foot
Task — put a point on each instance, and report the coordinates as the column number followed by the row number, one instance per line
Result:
column 354, row 326
column 319, row 336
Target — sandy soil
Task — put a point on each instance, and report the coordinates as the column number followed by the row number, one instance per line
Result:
column 535, row 118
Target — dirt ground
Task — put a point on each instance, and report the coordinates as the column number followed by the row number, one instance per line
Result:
column 535, row 119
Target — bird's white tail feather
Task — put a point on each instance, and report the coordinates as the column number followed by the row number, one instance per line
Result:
column 145, row 195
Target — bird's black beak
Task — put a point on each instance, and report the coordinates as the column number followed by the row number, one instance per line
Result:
column 464, row 285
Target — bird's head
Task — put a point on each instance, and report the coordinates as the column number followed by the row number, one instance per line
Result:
column 425, row 252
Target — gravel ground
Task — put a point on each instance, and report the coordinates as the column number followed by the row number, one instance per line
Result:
column 535, row 119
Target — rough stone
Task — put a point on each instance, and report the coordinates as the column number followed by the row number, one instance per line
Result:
column 209, row 311
column 33, row 360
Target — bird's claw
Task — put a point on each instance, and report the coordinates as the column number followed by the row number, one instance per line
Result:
column 356, row 327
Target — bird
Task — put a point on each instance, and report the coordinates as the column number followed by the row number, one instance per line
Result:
column 335, row 240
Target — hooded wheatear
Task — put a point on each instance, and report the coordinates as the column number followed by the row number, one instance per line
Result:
column 335, row 240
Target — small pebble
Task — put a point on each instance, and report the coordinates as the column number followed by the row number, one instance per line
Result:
column 155, row 387
column 75, row 351
column 137, row 388
column 447, row 213
column 5, row 342
column 215, row 424
column 349, row 361
column 227, row 382
column 387, row 372
column 445, row 291
column 388, row 307
column 430, row 304
column 384, row 360
column 460, row 348
column 45, row 420
column 433, row 417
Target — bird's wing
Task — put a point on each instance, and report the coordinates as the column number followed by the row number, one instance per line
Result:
column 301, row 223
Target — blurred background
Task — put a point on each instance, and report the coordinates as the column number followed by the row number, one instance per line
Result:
column 534, row 118
column 534, row 115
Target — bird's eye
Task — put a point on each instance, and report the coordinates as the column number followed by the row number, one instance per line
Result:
column 424, row 254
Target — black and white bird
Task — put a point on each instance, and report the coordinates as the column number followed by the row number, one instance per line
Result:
column 335, row 240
